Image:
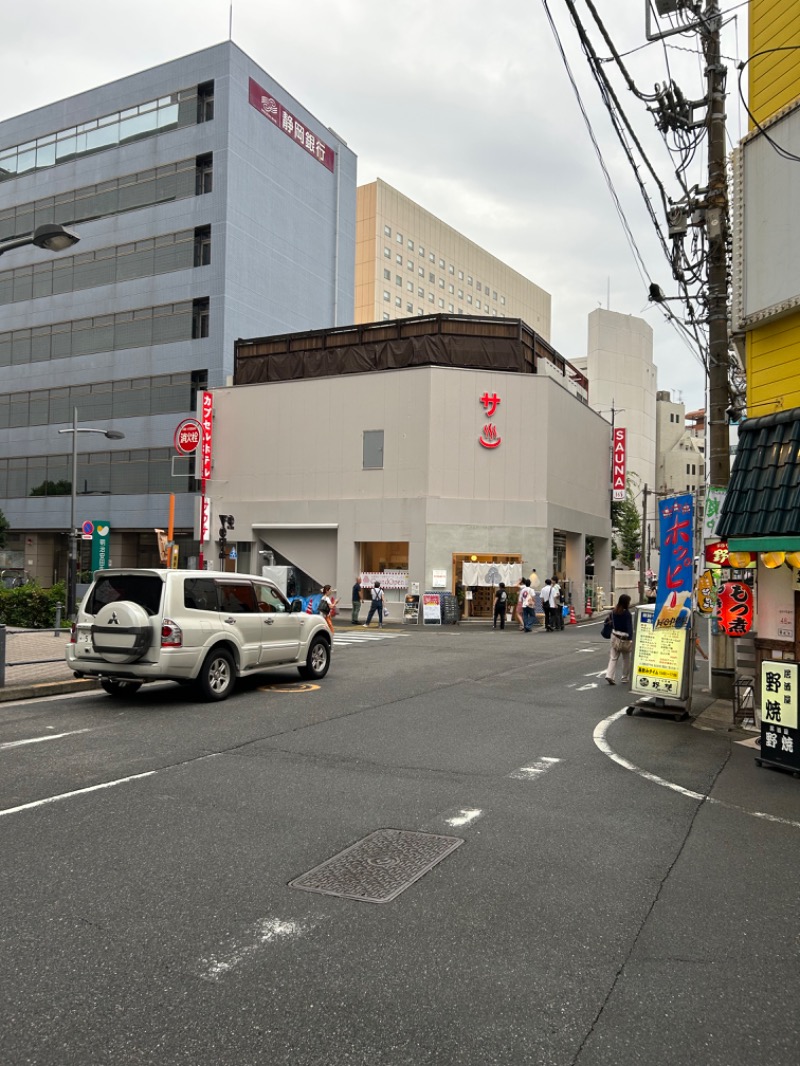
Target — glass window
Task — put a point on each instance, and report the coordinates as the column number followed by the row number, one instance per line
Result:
column 469, row 280
column 421, row 272
column 398, row 280
column 399, row 259
column 409, row 308
column 478, row 286
column 461, row 294
column 450, row 308
column 441, row 283
column 420, row 292
column 410, row 286
column 441, row 303
column 387, row 231
column 430, row 297
column 410, row 264
column 387, row 252
column 399, row 238
column 386, row 295
column 387, row 275
column 411, row 246
column 452, row 269
column 450, row 289
column 441, row 264
column 469, row 298
column 494, row 295
column 398, row 301
column 421, row 250
column 432, row 256
column 502, row 299
column 432, row 279
column 372, row 456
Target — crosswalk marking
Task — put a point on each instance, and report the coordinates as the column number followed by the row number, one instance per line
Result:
column 342, row 640
column 535, row 769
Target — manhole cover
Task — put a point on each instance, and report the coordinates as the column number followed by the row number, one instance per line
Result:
column 379, row 867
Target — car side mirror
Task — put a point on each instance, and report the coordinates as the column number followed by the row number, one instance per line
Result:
column 297, row 607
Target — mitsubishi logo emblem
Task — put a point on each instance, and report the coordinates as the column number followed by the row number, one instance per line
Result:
column 113, row 620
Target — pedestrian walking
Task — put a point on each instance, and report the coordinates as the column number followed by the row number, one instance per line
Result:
column 528, row 599
column 557, row 603
column 500, row 602
column 621, row 641
column 376, row 606
column 356, row 600
column 327, row 605
column 547, row 605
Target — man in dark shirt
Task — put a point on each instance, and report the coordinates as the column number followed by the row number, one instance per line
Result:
column 356, row 600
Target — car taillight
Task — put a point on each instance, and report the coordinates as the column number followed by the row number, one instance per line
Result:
column 171, row 634
column 73, row 633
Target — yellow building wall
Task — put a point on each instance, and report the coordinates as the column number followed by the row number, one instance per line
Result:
column 773, row 350
column 774, row 78
column 773, row 362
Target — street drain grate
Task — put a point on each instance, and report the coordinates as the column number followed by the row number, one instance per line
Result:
column 379, row 867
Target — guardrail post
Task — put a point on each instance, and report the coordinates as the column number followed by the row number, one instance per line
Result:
column 2, row 656
column 57, row 629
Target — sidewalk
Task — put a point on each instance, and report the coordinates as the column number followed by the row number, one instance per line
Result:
column 35, row 665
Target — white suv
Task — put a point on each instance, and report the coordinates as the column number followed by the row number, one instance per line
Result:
column 192, row 626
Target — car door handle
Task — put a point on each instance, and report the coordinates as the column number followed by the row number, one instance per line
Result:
column 230, row 619
column 268, row 621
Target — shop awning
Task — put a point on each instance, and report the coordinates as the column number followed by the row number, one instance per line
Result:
column 762, row 506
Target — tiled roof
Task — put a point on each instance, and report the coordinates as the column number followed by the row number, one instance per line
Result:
column 763, row 497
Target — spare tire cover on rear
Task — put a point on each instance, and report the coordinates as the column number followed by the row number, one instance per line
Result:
column 121, row 632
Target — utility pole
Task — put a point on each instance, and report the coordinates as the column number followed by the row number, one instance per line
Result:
column 716, row 216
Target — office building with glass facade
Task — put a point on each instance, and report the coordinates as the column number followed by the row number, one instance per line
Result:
column 210, row 205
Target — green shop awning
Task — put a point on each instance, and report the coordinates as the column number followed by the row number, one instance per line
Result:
column 761, row 511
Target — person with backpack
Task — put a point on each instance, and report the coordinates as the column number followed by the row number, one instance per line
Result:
column 500, row 603
column 327, row 604
column 376, row 606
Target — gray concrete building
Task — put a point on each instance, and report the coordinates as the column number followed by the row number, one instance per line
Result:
column 210, row 205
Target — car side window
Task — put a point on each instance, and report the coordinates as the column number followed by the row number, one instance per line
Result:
column 200, row 594
column 237, row 597
column 270, row 601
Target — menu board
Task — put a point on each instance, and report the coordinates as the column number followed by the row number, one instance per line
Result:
column 659, row 659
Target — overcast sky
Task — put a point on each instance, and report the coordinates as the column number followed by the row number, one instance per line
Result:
column 464, row 106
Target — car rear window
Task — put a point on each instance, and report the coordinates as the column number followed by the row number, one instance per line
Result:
column 200, row 594
column 144, row 589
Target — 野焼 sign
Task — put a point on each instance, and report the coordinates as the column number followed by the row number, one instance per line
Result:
column 489, row 438
column 188, row 436
column 735, row 608
column 279, row 116
column 780, row 739
column 207, row 425
column 618, row 464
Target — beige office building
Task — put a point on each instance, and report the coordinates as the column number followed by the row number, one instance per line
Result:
column 409, row 262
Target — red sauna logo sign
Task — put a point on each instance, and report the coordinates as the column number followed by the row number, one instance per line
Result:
column 489, row 437
column 618, row 462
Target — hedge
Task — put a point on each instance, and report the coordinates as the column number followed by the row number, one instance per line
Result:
column 32, row 607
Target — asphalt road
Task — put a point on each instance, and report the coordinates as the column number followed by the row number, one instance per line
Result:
column 593, row 915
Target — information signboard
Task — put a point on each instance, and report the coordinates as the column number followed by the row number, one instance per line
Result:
column 659, row 659
column 431, row 609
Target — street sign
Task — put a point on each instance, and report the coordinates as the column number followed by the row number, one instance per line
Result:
column 188, row 436
column 87, row 528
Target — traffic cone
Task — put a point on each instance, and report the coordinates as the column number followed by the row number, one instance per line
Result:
column 573, row 621
column 588, row 606
column 310, row 607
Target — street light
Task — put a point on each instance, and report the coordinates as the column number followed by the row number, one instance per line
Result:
column 52, row 236
column 72, row 575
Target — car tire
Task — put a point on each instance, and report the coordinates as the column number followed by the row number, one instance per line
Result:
column 217, row 675
column 120, row 689
column 318, row 660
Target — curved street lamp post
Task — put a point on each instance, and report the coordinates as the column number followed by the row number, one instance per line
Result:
column 52, row 236
column 72, row 574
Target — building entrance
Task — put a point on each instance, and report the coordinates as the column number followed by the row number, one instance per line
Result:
column 476, row 577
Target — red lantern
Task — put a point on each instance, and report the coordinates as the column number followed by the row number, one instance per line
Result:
column 735, row 615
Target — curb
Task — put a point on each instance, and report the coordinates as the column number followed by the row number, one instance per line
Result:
column 46, row 688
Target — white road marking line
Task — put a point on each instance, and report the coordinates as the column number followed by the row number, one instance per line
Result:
column 584, row 688
column 77, row 792
column 467, row 817
column 39, row 740
column 216, row 966
column 541, row 766
column 599, row 737
column 583, row 651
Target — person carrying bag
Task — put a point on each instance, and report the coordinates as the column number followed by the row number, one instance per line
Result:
column 621, row 640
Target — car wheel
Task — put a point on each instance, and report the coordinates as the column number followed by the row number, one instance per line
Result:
column 217, row 675
column 120, row 688
column 318, row 660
